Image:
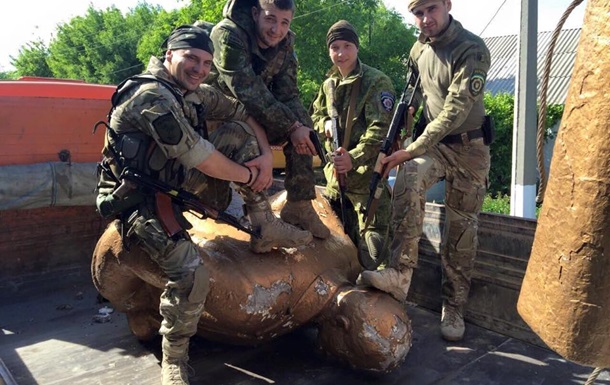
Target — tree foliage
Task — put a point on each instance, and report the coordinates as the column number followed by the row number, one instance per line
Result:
column 501, row 108
column 32, row 60
column 101, row 46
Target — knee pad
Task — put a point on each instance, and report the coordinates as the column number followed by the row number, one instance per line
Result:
column 201, row 285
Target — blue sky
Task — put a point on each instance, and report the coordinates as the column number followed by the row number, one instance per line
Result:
column 38, row 20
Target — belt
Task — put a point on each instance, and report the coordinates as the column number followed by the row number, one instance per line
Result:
column 464, row 137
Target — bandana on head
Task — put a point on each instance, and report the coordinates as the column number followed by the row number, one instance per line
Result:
column 189, row 36
column 342, row 30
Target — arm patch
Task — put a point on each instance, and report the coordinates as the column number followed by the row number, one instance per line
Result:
column 477, row 82
column 168, row 129
column 387, row 101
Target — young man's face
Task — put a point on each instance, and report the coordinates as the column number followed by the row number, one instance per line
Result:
column 189, row 67
column 343, row 54
column 272, row 24
column 432, row 17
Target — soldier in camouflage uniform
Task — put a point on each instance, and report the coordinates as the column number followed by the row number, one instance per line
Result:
column 371, row 117
column 156, row 127
column 453, row 65
column 255, row 62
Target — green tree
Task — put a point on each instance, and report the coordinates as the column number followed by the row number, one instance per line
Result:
column 101, row 46
column 32, row 60
column 501, row 108
column 384, row 39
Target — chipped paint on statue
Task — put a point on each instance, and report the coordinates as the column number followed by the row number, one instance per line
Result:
column 255, row 298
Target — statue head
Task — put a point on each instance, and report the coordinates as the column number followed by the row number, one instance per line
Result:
column 366, row 328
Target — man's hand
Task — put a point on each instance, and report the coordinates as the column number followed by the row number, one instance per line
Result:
column 301, row 142
column 342, row 161
column 328, row 128
column 394, row 159
column 264, row 165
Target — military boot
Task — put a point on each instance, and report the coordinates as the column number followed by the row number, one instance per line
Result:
column 302, row 214
column 452, row 323
column 174, row 371
column 274, row 232
column 393, row 281
column 174, row 366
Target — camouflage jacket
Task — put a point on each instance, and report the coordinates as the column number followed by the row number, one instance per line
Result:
column 263, row 80
column 453, row 70
column 149, row 111
column 372, row 118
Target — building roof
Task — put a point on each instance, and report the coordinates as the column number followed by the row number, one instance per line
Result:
column 504, row 62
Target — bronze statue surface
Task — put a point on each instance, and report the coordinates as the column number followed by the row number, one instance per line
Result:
column 254, row 298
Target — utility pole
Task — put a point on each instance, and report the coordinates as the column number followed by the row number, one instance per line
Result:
column 523, row 181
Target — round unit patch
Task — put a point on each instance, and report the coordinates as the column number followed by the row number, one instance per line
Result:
column 387, row 101
column 477, row 82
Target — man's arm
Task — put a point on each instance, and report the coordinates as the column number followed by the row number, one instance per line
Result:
column 461, row 97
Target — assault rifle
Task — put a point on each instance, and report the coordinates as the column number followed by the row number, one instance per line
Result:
column 165, row 194
column 389, row 145
column 341, row 177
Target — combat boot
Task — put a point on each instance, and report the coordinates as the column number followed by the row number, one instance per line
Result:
column 174, row 371
column 452, row 323
column 392, row 281
column 303, row 215
column 274, row 232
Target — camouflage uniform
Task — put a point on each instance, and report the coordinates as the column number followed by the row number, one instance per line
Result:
column 453, row 69
column 372, row 117
column 158, row 128
column 265, row 82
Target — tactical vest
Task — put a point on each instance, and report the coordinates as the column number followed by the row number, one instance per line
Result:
column 138, row 151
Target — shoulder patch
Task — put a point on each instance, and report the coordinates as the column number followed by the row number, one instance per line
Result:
column 477, row 82
column 387, row 101
column 168, row 129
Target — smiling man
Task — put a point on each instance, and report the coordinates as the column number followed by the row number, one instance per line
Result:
column 157, row 128
column 453, row 145
column 255, row 62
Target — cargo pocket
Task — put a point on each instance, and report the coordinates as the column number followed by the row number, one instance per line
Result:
column 464, row 196
column 201, row 285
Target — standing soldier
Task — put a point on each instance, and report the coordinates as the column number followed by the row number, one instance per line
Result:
column 157, row 128
column 255, row 62
column 360, row 100
column 453, row 64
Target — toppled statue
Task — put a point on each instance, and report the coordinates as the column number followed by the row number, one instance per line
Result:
column 254, row 298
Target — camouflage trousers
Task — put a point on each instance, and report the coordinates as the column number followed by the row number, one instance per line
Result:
column 187, row 286
column 183, row 298
column 378, row 229
column 237, row 141
column 300, row 180
column 465, row 169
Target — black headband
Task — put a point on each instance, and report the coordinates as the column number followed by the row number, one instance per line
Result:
column 189, row 36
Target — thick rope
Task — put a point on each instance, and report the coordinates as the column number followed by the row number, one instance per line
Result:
column 543, row 104
column 593, row 376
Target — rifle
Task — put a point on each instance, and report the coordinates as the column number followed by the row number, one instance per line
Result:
column 313, row 136
column 389, row 145
column 341, row 177
column 183, row 198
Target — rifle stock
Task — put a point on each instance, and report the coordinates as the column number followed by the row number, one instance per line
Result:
column 184, row 198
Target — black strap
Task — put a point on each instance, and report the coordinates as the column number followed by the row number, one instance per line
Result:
column 463, row 138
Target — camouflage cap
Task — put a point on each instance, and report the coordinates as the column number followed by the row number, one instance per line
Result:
column 417, row 3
